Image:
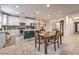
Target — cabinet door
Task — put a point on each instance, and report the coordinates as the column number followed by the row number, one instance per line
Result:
column 28, row 34
column 13, row 20
column 2, row 39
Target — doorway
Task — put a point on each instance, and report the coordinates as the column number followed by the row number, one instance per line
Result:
column 76, row 26
column 60, row 26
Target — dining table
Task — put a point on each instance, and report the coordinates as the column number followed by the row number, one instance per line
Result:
column 46, row 36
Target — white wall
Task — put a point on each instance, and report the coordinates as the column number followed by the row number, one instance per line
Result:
column 78, row 27
column 50, row 24
column 0, row 19
column 68, row 26
column 58, row 26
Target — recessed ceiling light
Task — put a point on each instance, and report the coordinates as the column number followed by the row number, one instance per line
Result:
column 58, row 16
column 37, row 12
column 60, row 11
column 76, row 17
column 17, row 6
column 48, row 15
column 16, row 13
column 31, row 16
column 51, row 21
column 48, row 5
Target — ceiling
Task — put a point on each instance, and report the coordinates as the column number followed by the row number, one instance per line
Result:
column 43, row 12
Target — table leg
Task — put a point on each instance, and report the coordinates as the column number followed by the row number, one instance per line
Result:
column 60, row 40
column 54, row 45
column 45, row 40
column 39, row 45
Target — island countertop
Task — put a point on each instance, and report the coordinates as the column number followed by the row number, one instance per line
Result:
column 2, row 31
column 30, row 29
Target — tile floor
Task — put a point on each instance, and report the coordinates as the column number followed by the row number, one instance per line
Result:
column 26, row 47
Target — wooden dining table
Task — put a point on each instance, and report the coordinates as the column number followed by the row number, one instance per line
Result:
column 46, row 36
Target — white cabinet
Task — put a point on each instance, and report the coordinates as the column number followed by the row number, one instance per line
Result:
column 2, row 39
column 4, row 19
column 13, row 32
column 13, row 20
column 29, row 21
column 17, row 20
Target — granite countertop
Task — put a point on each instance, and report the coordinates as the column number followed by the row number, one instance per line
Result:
column 30, row 29
column 2, row 31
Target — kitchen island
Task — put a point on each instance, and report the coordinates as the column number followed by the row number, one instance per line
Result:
column 29, row 33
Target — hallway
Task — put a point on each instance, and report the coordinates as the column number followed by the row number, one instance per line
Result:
column 71, row 45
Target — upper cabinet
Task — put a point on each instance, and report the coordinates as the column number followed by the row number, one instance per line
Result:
column 0, row 19
column 13, row 20
column 4, row 19
column 28, row 22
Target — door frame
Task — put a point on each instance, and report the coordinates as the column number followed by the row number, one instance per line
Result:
column 75, row 23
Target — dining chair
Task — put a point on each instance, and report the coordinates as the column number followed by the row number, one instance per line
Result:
column 38, row 39
column 55, row 39
column 60, row 37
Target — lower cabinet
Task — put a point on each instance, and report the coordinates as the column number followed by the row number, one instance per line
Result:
column 28, row 34
column 2, row 39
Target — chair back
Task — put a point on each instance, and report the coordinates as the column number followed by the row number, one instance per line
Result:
column 57, row 34
column 54, row 31
column 36, row 35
